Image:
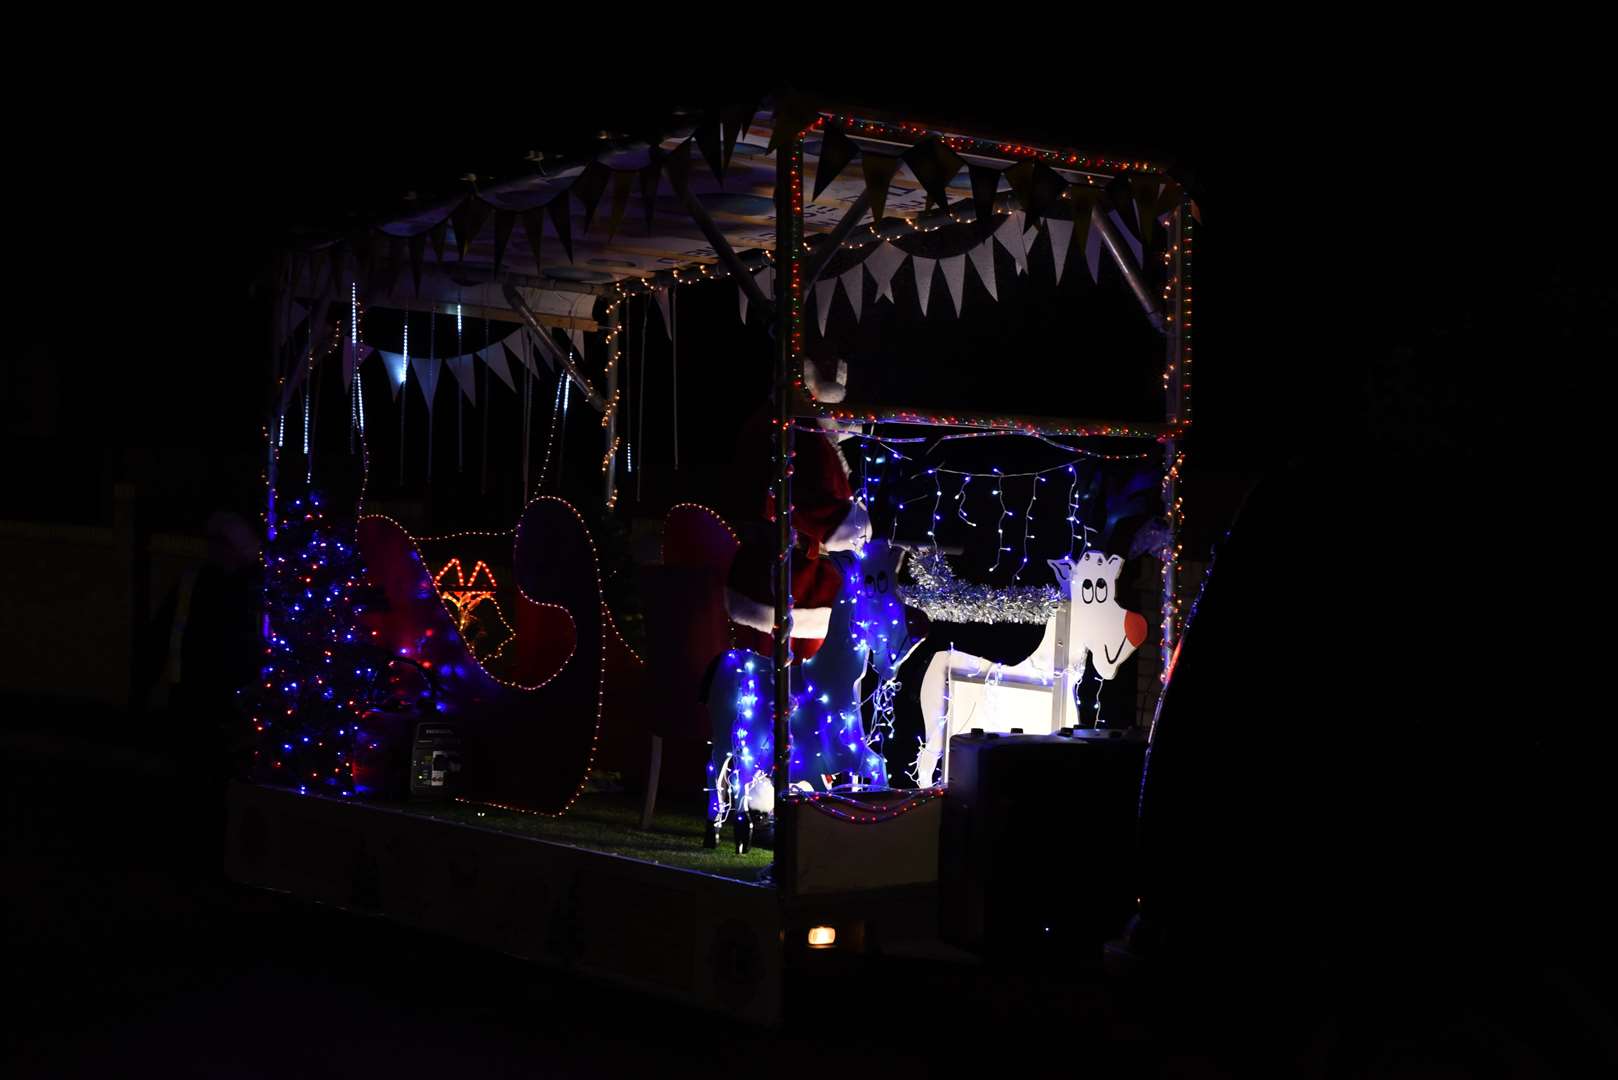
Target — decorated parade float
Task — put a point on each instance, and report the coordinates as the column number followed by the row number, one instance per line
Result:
column 530, row 682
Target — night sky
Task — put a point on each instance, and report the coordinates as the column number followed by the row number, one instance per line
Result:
column 1355, row 279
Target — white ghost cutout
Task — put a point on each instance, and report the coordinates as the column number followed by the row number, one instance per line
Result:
column 1101, row 627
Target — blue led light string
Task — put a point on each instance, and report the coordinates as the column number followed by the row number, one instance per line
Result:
column 1000, row 523
column 1027, row 526
column 938, row 496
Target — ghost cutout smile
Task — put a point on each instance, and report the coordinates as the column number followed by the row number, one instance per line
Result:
column 1102, row 628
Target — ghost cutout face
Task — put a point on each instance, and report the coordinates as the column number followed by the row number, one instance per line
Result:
column 880, row 623
column 1100, row 626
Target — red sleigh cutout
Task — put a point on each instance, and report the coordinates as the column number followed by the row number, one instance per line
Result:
column 530, row 741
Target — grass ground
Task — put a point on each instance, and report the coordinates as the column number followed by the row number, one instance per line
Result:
column 611, row 822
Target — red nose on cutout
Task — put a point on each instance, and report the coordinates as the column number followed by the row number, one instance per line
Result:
column 1134, row 628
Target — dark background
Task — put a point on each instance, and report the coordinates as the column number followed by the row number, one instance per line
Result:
column 1362, row 274
column 1394, row 258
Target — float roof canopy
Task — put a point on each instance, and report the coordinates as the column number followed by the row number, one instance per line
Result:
column 614, row 244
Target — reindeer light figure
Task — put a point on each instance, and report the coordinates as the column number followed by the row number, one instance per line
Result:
column 831, row 743
column 961, row 691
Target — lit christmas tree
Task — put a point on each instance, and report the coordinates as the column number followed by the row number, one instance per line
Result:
column 322, row 671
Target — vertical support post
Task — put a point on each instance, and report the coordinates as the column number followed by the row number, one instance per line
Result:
column 1062, row 691
column 949, row 712
column 1175, row 380
column 788, row 317
column 609, row 464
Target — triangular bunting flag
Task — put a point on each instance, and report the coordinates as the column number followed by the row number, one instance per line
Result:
column 576, row 336
column 1168, row 198
column 1129, row 237
column 547, row 347
column 503, row 221
column 1045, row 189
column 879, row 171
column 954, row 269
column 339, row 263
column 1092, row 252
column 883, row 263
column 533, row 227
column 836, row 151
column 1021, row 178
column 319, row 325
column 1010, row 236
column 426, row 370
column 661, row 295
column 933, row 165
column 733, row 120
column 1061, row 234
column 766, row 284
column 588, row 187
column 495, row 357
column 924, row 279
column 353, row 356
column 363, row 245
column 677, row 163
column 394, row 364
column 468, row 219
column 983, row 263
column 525, row 355
column 561, row 221
column 1120, row 196
column 1146, row 189
column 396, row 262
column 436, row 235
column 854, row 288
column 985, row 185
column 707, row 139
column 649, row 178
column 793, row 114
column 465, row 374
column 621, row 183
column 418, row 248
column 825, row 289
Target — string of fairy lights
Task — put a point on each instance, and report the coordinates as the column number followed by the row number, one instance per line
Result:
column 877, row 452
column 905, row 476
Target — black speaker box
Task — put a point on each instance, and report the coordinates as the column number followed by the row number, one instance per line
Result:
column 1038, row 838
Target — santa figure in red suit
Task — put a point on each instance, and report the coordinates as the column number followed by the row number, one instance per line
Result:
column 825, row 518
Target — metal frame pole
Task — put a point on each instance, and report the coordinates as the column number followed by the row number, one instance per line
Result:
column 1177, row 414
column 609, row 464
column 788, row 318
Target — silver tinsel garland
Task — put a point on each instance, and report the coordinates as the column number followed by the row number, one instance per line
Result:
column 945, row 598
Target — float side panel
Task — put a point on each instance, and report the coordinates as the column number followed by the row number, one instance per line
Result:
column 701, row 940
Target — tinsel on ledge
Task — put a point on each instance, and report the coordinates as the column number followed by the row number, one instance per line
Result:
column 945, row 598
